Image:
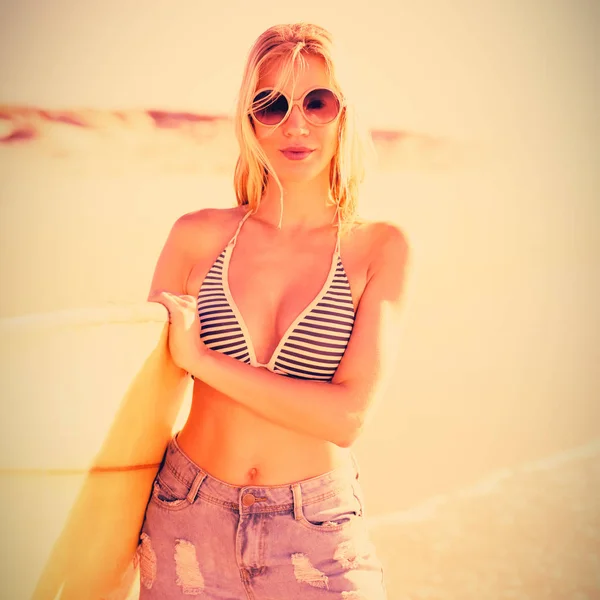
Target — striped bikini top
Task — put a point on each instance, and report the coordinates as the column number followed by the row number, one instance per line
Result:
column 313, row 345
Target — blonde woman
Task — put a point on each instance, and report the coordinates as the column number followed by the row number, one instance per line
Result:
column 283, row 310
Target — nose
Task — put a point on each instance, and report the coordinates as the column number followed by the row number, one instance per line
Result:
column 295, row 124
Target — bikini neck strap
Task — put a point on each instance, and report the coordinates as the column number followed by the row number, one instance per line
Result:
column 233, row 240
column 339, row 230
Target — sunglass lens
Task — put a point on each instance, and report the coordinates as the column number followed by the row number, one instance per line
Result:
column 321, row 106
column 269, row 107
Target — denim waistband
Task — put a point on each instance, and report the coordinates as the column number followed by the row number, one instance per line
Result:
column 256, row 498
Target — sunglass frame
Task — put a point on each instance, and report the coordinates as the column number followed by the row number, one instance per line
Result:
column 298, row 102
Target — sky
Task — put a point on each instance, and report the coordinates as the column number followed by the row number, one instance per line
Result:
column 453, row 68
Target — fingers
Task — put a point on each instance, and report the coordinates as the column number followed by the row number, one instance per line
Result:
column 175, row 304
column 168, row 297
column 161, row 297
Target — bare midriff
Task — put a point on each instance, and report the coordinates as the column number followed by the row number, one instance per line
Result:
column 223, row 437
column 234, row 445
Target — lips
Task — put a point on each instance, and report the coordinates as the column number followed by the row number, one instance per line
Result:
column 296, row 152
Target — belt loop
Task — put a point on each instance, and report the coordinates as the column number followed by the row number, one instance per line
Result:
column 297, row 494
column 200, row 477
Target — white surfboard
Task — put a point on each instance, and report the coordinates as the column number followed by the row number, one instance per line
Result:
column 86, row 395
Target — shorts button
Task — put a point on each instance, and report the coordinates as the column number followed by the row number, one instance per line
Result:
column 248, row 499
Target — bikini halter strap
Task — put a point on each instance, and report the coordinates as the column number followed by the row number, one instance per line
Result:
column 233, row 240
column 339, row 228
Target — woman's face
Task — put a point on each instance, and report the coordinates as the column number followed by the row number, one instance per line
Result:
column 296, row 132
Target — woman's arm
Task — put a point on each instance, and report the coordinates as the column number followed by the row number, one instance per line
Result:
column 316, row 408
column 173, row 265
column 333, row 411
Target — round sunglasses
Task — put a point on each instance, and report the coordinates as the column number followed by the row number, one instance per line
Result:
column 318, row 105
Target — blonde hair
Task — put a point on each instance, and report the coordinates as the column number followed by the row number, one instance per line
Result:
column 288, row 44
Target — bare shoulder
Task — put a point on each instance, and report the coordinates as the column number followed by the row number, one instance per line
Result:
column 390, row 244
column 193, row 236
column 205, row 223
column 388, row 255
column 381, row 244
column 198, row 233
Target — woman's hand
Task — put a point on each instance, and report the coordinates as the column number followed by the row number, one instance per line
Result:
column 185, row 344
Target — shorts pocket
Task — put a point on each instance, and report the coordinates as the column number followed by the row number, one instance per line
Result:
column 169, row 492
column 334, row 512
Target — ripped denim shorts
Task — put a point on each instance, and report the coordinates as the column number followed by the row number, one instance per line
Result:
column 204, row 537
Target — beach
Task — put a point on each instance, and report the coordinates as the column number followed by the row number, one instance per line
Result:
column 530, row 532
column 498, row 361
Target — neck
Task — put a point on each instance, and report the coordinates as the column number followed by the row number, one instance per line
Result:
column 305, row 204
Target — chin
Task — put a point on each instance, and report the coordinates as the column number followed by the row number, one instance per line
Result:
column 299, row 173
column 297, row 176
